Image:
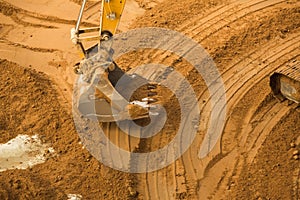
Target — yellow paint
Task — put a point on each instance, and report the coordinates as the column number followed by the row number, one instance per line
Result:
column 111, row 7
column 80, row 52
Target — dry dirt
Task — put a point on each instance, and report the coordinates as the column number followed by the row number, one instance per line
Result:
column 248, row 41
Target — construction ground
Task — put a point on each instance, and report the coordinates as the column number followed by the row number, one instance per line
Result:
column 257, row 155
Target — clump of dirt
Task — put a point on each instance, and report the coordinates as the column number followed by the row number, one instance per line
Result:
column 30, row 106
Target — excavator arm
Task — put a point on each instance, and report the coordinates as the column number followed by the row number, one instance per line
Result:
column 98, row 98
column 111, row 12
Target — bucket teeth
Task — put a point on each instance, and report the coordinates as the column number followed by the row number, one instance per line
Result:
column 150, row 94
column 149, row 100
column 145, row 99
column 150, row 87
column 154, row 113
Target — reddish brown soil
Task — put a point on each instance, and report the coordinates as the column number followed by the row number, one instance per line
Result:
column 271, row 174
column 248, row 41
column 32, row 107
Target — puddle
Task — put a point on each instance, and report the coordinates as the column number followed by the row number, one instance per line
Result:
column 22, row 152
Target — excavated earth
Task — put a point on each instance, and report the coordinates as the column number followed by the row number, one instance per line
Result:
column 257, row 155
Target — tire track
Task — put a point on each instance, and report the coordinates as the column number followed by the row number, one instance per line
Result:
column 156, row 182
column 288, row 47
column 261, row 6
column 265, row 121
column 233, row 17
column 233, row 106
column 161, row 176
column 34, row 49
column 214, row 13
column 261, row 131
column 245, row 74
column 226, row 11
column 17, row 14
column 240, row 76
column 92, row 10
column 256, row 136
column 241, row 79
column 158, row 185
column 220, row 23
column 153, row 180
column 268, row 121
column 5, row 31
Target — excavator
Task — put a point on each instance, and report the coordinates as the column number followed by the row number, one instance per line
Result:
column 98, row 97
column 285, row 82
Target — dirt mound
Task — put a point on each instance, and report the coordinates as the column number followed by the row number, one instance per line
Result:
column 29, row 103
column 274, row 173
column 30, row 106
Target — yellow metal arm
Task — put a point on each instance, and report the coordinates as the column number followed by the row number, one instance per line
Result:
column 111, row 15
column 111, row 12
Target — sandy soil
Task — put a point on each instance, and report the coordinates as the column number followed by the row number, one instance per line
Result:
column 248, row 41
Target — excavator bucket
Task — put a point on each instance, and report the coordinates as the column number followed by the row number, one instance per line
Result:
column 285, row 83
column 99, row 96
column 94, row 104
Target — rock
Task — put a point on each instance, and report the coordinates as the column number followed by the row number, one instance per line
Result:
column 296, row 157
column 132, row 192
column 296, row 152
column 292, row 145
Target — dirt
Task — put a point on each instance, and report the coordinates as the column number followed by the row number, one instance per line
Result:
column 273, row 172
column 31, row 106
column 248, row 40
